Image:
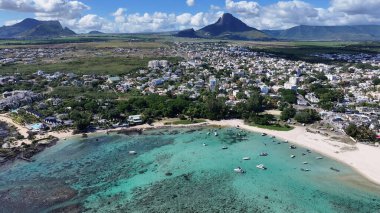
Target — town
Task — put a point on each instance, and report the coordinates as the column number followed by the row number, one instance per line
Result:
column 338, row 96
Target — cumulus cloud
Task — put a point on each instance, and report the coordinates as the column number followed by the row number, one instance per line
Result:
column 46, row 9
column 286, row 14
column 190, row 3
column 354, row 7
column 243, row 7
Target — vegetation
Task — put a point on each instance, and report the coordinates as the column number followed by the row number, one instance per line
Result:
column 361, row 133
column 88, row 65
column 288, row 113
column 307, row 116
column 185, row 122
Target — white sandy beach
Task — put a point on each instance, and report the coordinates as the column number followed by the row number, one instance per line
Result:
column 363, row 158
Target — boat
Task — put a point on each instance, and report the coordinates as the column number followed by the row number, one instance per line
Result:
column 263, row 154
column 305, row 162
column 239, row 170
column 292, row 156
column 319, row 158
column 334, row 169
column 308, row 151
column 286, row 141
column 305, row 170
column 261, row 166
column 132, row 152
column 303, row 154
column 204, row 144
column 215, row 133
column 292, row 147
column 224, row 147
column 263, row 134
column 246, row 158
column 208, row 133
column 273, row 137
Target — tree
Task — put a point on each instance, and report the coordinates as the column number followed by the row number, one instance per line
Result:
column 288, row 113
column 289, row 96
column 362, row 133
column 307, row 116
column 255, row 103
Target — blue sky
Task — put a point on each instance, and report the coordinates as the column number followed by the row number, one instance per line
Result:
column 167, row 15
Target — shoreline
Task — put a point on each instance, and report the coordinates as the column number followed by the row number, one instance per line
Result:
column 362, row 158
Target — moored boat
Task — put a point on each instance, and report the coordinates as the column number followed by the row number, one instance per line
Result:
column 261, row 166
column 246, row 158
column 239, row 170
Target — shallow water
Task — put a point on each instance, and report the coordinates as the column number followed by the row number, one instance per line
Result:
column 174, row 172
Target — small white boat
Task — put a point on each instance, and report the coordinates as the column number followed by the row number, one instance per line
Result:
column 292, row 147
column 263, row 154
column 319, row 158
column 292, row 156
column 261, row 166
column 64, row 139
column 246, row 158
column 239, row 170
column 204, row 144
column 305, row 170
column 286, row 141
column 132, row 152
column 263, row 134
column 208, row 133
column 224, row 147
column 215, row 133
column 305, row 162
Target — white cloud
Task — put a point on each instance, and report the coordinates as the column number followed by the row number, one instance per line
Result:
column 46, row 9
column 190, row 3
column 354, row 7
column 119, row 15
column 286, row 14
column 214, row 7
column 243, row 7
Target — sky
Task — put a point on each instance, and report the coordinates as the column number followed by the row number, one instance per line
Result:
column 132, row 16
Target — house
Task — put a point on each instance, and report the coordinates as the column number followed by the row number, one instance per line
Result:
column 53, row 121
column 135, row 119
column 112, row 80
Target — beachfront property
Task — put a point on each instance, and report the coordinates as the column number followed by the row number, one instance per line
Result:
column 135, row 119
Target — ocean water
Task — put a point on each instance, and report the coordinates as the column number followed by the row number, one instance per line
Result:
column 174, row 172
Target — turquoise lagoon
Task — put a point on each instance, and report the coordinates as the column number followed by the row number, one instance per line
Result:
column 174, row 172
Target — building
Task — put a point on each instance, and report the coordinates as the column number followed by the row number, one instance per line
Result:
column 212, row 83
column 135, row 119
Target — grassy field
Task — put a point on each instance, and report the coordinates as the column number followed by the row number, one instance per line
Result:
column 185, row 122
column 90, row 65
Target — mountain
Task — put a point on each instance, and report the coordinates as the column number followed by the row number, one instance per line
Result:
column 32, row 28
column 328, row 33
column 188, row 33
column 95, row 32
column 227, row 27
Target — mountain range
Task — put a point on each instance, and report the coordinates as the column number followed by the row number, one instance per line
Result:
column 328, row 33
column 32, row 28
column 226, row 27
column 229, row 27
